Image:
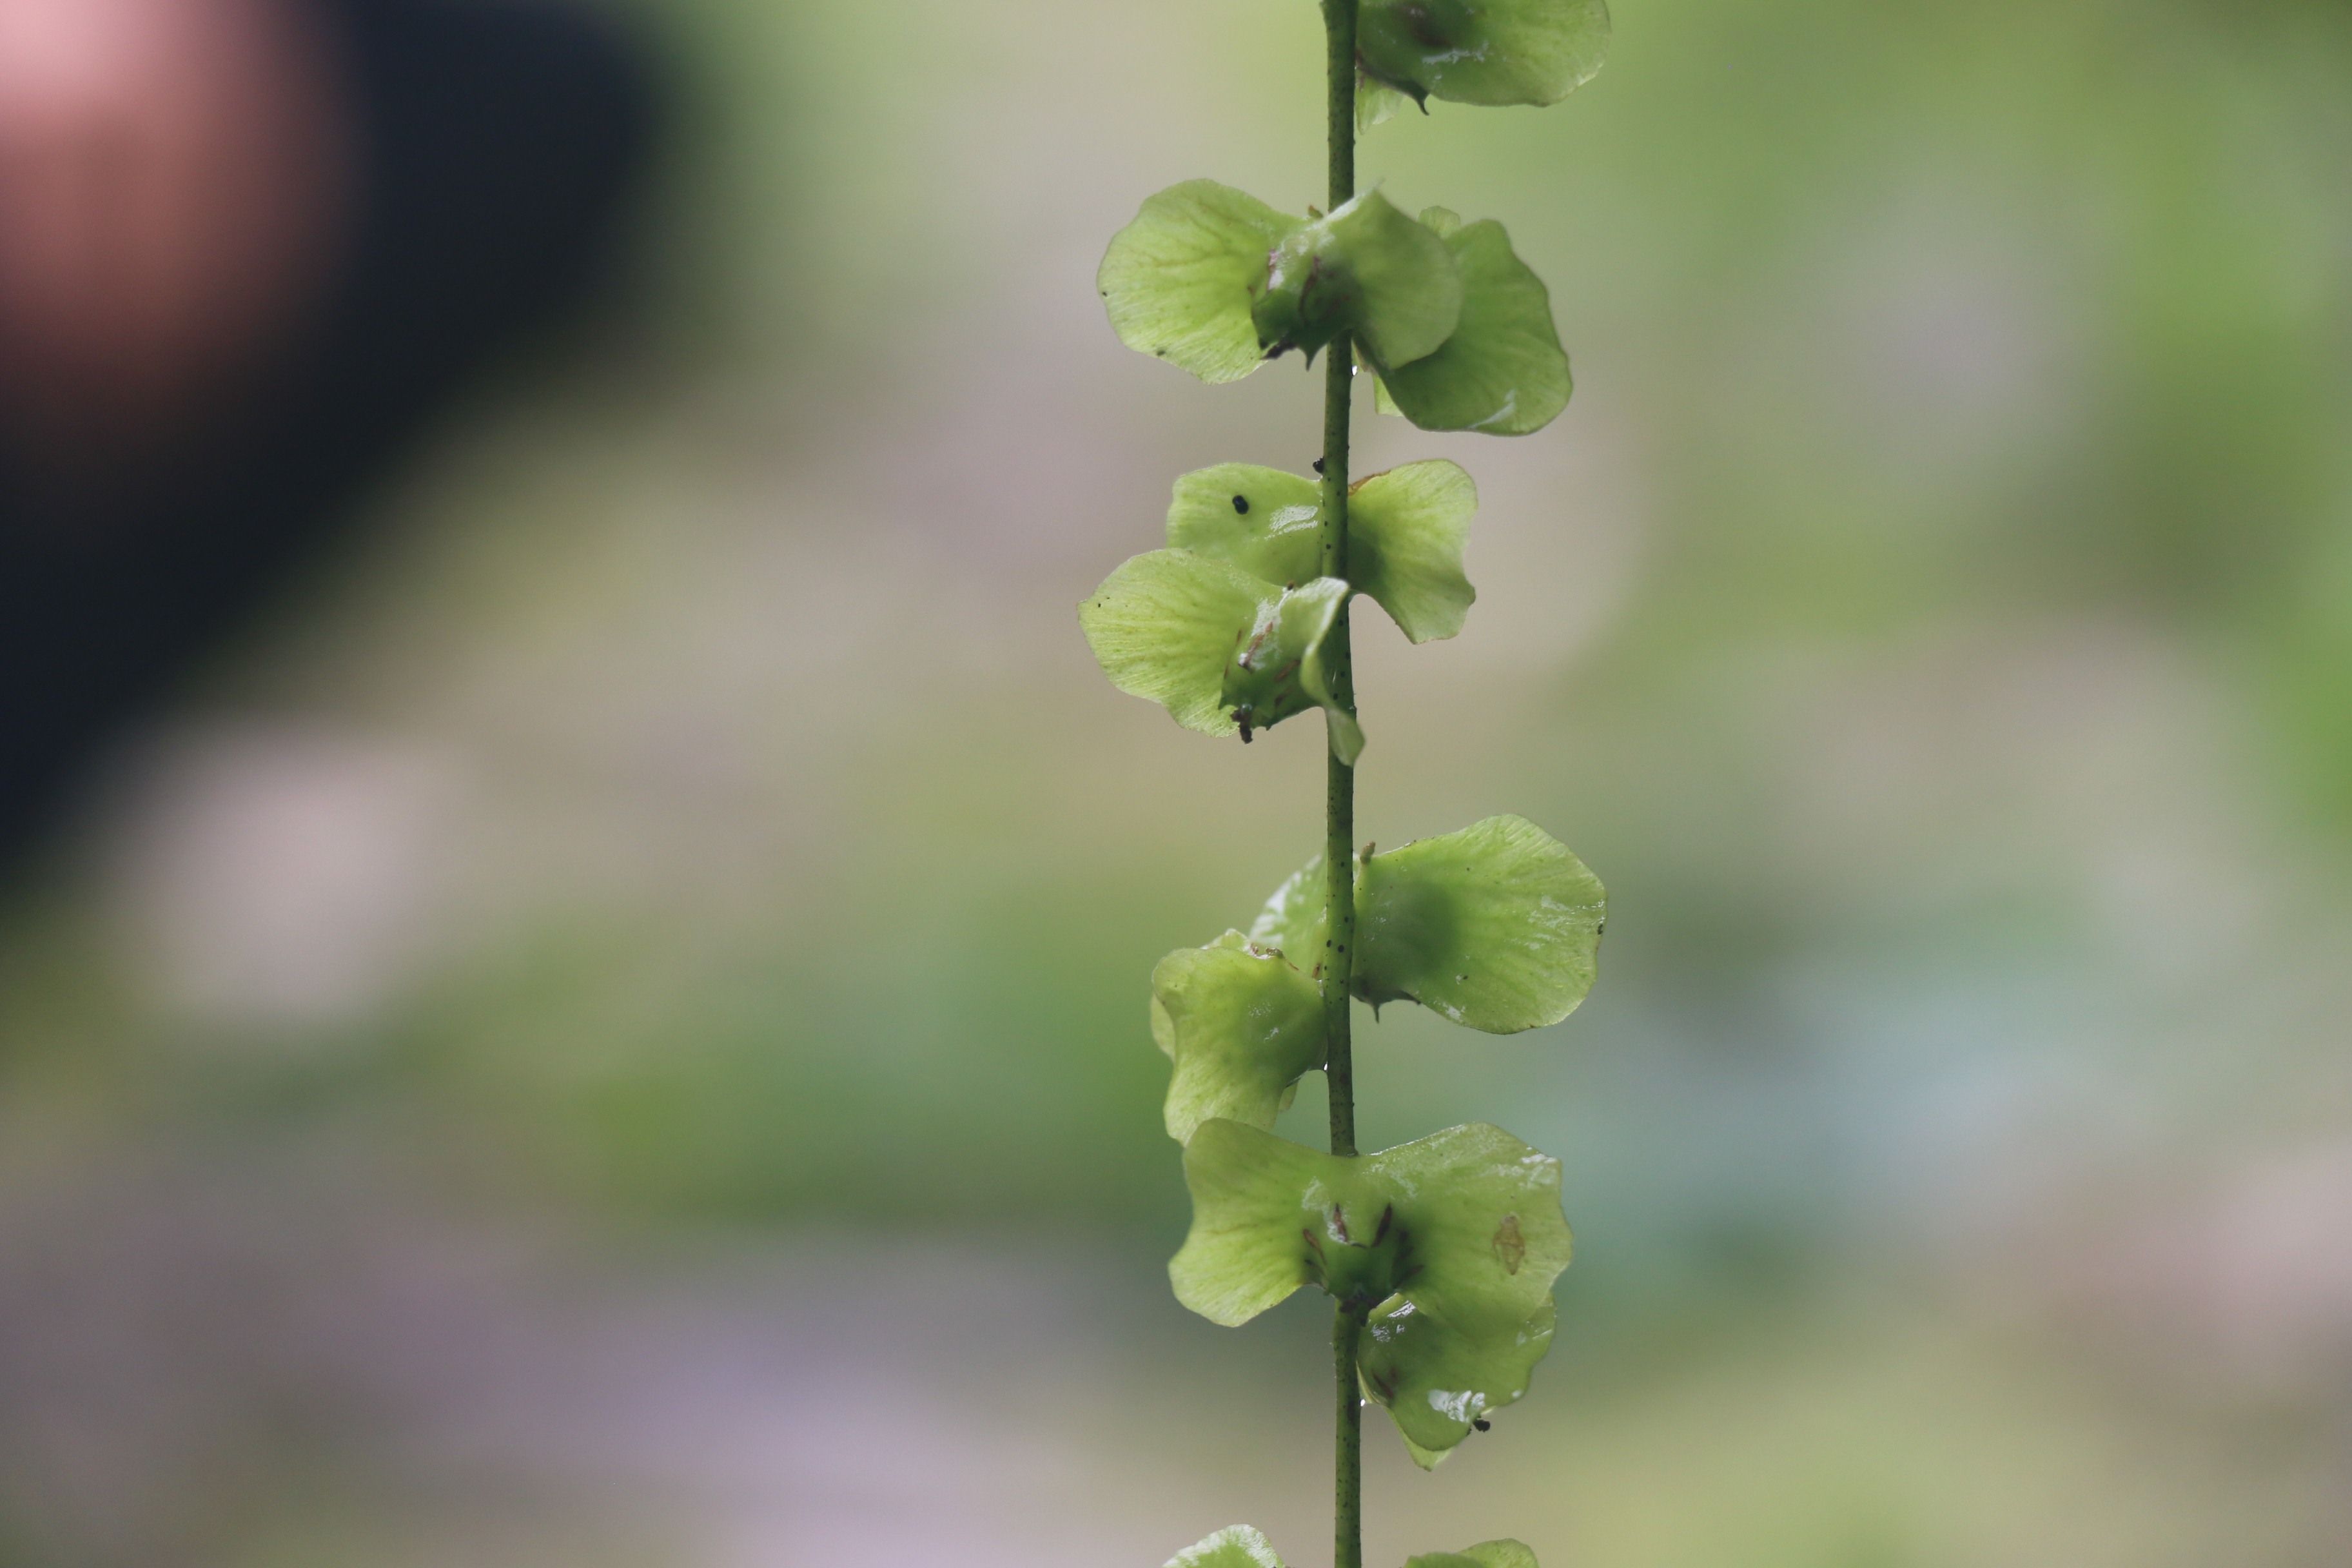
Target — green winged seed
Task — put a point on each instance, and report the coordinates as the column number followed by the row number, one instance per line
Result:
column 1235, row 1546
column 1503, row 370
column 1221, row 650
column 1485, row 1554
column 1179, row 280
column 1451, row 1241
column 1369, row 269
column 1243, row 1026
column 1278, row 669
column 1463, row 1336
column 1406, row 530
column 1483, row 51
column 1496, row 927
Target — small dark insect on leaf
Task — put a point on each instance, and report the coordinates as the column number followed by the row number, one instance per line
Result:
column 1241, row 505
column 1319, row 465
column 1242, row 717
column 1483, row 1425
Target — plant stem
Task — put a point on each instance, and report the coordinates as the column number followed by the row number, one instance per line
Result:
column 1338, row 845
column 1340, row 823
column 1348, row 1511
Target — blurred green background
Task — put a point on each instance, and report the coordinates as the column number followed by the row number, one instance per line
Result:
column 612, row 1031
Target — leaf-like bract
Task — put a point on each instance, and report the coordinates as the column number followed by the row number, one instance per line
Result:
column 1235, row 1546
column 1496, row 927
column 1452, row 1242
column 1163, row 626
column 1405, row 533
column 1503, row 370
column 1369, row 269
column 1179, row 280
column 1243, row 1026
column 1484, row 51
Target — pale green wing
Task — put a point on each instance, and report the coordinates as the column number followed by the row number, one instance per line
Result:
column 1496, row 927
column 1235, row 1546
column 1242, row 1027
column 1164, row 626
column 1484, row 51
column 1369, row 269
column 1179, row 279
column 1405, row 534
column 1483, row 1239
column 1503, row 370
column 1252, row 1220
column 1266, row 523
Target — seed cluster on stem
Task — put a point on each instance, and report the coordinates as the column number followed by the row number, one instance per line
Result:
column 1439, row 1253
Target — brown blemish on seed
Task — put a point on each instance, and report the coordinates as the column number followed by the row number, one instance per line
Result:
column 1510, row 1246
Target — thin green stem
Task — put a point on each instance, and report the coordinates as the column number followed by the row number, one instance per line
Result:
column 1340, row 802
column 1339, row 836
column 1340, row 61
column 1347, row 1512
column 1338, row 845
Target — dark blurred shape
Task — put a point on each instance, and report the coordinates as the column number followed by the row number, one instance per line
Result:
column 246, row 246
